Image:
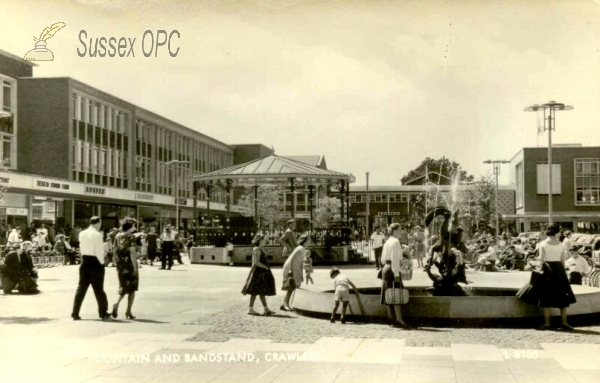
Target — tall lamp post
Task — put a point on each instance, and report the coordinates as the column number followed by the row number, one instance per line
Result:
column 177, row 162
column 551, row 107
column 496, row 166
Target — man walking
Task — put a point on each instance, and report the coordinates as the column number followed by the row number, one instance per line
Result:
column 91, row 271
column 288, row 239
column 168, row 246
column 377, row 240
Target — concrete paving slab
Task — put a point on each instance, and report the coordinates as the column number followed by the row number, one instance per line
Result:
column 475, row 352
column 481, row 367
column 485, row 378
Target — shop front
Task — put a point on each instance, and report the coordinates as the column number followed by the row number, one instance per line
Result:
column 64, row 204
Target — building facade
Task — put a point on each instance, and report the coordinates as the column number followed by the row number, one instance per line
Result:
column 72, row 151
column 575, row 187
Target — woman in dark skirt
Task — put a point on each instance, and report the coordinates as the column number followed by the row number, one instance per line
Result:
column 127, row 267
column 551, row 287
column 391, row 256
column 260, row 280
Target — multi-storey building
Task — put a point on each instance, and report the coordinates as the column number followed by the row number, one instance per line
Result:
column 74, row 151
column 575, row 187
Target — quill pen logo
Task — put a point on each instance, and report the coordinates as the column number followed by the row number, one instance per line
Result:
column 40, row 52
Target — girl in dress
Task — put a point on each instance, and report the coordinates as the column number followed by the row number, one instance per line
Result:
column 260, row 280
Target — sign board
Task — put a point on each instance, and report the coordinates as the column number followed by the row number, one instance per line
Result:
column 18, row 211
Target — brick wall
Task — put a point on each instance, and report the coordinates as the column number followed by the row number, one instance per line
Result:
column 565, row 157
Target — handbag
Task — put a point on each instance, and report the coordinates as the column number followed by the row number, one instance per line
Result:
column 380, row 274
column 396, row 296
column 289, row 283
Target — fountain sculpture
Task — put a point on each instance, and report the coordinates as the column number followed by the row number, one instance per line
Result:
column 447, row 255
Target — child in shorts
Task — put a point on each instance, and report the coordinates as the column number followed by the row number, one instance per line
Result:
column 308, row 268
column 342, row 285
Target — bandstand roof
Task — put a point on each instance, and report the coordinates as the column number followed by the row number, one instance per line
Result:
column 274, row 168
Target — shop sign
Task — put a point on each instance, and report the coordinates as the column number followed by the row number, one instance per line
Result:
column 52, row 185
column 144, row 196
column 17, row 211
column 181, row 201
column 393, row 213
column 4, row 180
column 95, row 190
column 37, row 212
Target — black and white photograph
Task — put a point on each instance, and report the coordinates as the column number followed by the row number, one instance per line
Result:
column 294, row 191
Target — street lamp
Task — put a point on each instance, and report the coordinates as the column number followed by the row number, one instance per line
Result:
column 177, row 162
column 496, row 167
column 551, row 107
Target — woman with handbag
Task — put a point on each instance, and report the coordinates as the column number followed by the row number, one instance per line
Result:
column 550, row 286
column 260, row 280
column 292, row 270
column 391, row 257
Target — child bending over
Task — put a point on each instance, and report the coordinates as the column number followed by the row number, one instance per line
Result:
column 342, row 293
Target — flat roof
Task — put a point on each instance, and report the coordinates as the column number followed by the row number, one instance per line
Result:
column 17, row 58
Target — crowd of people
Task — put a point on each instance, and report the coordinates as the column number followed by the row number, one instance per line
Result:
column 557, row 264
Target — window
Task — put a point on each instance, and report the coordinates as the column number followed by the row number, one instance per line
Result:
column 392, row 197
column 520, row 186
column 6, row 149
column 7, row 99
column 404, row 197
column 542, row 179
column 587, row 181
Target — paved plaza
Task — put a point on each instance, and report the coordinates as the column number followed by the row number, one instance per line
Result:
column 192, row 326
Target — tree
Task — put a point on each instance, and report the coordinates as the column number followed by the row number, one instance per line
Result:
column 329, row 211
column 451, row 170
column 270, row 204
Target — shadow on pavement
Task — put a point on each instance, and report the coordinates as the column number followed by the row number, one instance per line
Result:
column 23, row 320
column 145, row 321
column 583, row 332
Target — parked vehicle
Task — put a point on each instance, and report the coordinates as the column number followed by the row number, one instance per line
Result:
column 588, row 244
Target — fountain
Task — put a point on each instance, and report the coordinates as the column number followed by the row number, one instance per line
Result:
column 447, row 255
column 450, row 298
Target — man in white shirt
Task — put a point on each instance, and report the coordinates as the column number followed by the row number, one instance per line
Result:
column 91, row 271
column 42, row 229
column 576, row 266
column 377, row 239
column 15, row 236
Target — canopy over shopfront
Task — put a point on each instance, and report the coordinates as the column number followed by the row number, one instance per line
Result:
column 273, row 169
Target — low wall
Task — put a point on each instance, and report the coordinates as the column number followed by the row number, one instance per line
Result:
column 242, row 255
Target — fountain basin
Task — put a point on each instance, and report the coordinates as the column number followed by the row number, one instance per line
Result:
column 485, row 303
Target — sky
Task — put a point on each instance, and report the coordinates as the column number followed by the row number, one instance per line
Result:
column 374, row 86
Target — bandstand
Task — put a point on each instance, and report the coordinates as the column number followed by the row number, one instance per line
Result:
column 273, row 169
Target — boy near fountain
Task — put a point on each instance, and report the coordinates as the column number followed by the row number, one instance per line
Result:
column 308, row 268
column 342, row 285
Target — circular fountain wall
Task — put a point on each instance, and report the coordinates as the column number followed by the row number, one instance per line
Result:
column 483, row 303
